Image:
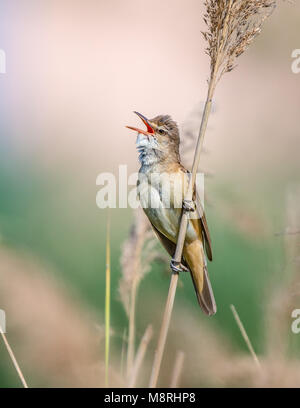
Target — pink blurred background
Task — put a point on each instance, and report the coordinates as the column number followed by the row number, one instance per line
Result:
column 76, row 70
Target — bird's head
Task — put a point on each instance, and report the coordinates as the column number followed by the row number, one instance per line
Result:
column 161, row 136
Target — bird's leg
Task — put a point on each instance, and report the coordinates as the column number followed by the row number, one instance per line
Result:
column 188, row 205
column 177, row 266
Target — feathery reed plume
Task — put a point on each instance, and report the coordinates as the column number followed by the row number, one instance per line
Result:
column 133, row 270
column 245, row 335
column 13, row 359
column 177, row 369
column 107, row 300
column 232, row 27
column 139, row 245
column 140, row 356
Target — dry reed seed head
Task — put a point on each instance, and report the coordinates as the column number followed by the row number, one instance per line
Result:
column 232, row 25
column 137, row 254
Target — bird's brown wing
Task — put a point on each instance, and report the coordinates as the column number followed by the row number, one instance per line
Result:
column 205, row 297
column 169, row 246
column 201, row 220
column 203, row 225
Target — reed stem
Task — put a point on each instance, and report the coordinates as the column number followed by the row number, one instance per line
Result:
column 230, row 32
column 13, row 358
column 123, row 351
column 140, row 356
column 180, row 242
column 131, row 330
column 177, row 369
column 245, row 335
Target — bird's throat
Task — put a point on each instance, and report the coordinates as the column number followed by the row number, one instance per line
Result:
column 155, row 157
column 148, row 157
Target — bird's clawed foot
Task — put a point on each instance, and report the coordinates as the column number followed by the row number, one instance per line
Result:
column 189, row 205
column 178, row 267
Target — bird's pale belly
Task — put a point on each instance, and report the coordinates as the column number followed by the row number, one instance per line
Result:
column 160, row 210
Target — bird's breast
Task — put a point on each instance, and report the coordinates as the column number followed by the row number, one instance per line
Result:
column 161, row 196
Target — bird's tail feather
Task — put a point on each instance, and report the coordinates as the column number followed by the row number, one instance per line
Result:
column 206, row 298
column 195, row 259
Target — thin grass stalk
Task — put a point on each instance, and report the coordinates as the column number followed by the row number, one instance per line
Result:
column 177, row 371
column 107, row 301
column 13, row 359
column 245, row 335
column 140, row 355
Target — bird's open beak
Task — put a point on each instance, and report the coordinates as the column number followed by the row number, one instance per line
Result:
column 150, row 131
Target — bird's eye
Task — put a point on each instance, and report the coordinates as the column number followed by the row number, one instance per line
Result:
column 161, row 131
